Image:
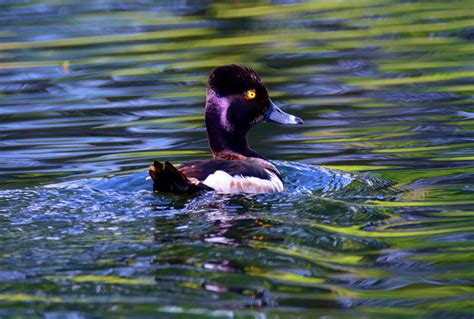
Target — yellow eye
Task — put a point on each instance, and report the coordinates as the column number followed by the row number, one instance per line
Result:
column 251, row 94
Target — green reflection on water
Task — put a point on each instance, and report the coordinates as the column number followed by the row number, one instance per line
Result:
column 384, row 87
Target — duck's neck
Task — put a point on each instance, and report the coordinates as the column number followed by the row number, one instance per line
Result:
column 226, row 142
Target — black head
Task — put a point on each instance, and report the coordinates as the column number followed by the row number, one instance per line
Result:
column 240, row 93
column 236, row 100
column 234, row 79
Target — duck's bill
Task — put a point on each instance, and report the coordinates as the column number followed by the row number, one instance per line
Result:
column 275, row 114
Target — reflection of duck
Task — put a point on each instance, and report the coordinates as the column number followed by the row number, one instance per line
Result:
column 236, row 100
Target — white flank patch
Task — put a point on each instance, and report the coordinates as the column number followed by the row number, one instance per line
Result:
column 223, row 182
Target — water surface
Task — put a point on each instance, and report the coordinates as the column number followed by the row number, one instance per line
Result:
column 377, row 220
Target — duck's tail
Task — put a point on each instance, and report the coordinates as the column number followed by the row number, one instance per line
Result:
column 168, row 178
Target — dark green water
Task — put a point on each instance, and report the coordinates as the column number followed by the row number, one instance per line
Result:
column 378, row 219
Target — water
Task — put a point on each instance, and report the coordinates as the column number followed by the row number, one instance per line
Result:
column 378, row 217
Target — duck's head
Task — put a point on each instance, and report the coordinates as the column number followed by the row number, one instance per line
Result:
column 238, row 94
column 236, row 100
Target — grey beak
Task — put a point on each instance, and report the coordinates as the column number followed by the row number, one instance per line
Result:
column 275, row 114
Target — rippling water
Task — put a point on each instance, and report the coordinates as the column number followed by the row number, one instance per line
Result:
column 378, row 217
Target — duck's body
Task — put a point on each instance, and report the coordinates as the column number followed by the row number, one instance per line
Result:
column 236, row 101
column 230, row 176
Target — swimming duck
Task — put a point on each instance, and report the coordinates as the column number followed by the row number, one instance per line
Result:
column 236, row 100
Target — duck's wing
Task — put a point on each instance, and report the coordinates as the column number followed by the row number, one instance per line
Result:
column 167, row 178
column 228, row 176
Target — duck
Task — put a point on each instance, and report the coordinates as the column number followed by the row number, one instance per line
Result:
column 236, row 101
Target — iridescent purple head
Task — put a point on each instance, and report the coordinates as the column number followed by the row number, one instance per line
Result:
column 239, row 93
